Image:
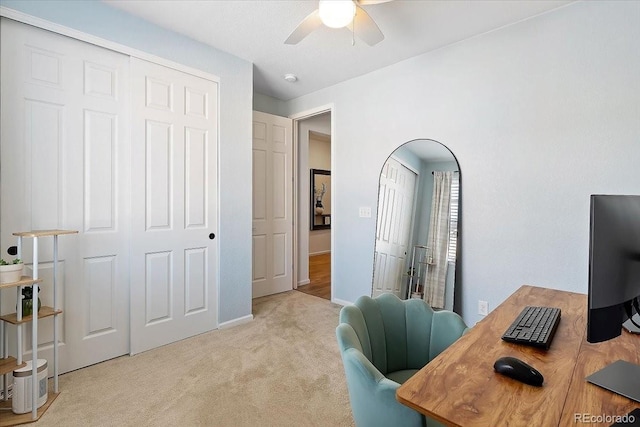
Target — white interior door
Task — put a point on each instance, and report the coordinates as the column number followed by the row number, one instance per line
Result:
column 395, row 211
column 175, row 204
column 65, row 164
column 272, row 204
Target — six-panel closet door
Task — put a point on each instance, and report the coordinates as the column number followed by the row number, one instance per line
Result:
column 142, row 270
column 174, row 205
column 65, row 164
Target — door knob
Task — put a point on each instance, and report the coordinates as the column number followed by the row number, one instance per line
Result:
column 212, row 236
column 12, row 250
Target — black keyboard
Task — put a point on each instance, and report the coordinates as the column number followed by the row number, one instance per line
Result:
column 535, row 326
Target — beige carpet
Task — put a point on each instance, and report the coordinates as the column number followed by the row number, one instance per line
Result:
column 281, row 369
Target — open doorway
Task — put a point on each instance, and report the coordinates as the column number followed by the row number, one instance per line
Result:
column 314, row 197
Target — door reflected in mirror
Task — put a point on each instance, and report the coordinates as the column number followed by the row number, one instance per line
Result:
column 417, row 228
column 320, row 199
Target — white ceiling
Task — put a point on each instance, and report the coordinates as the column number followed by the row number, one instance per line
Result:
column 255, row 30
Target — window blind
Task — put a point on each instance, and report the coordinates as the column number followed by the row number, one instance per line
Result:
column 453, row 218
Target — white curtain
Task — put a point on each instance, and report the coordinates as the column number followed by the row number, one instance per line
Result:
column 438, row 241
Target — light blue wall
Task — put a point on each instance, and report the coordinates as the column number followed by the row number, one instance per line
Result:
column 540, row 115
column 236, row 87
column 268, row 104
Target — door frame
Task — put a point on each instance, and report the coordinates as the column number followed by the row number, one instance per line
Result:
column 297, row 118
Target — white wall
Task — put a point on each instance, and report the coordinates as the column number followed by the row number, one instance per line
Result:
column 540, row 115
column 319, row 152
column 236, row 86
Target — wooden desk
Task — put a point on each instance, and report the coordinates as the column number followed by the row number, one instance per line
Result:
column 460, row 387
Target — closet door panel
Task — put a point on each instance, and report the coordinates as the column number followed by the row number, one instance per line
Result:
column 174, row 255
column 100, row 174
column 65, row 164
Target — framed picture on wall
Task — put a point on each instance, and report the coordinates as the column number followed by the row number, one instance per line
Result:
column 320, row 193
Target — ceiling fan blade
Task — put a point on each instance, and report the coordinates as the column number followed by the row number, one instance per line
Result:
column 370, row 2
column 365, row 28
column 305, row 28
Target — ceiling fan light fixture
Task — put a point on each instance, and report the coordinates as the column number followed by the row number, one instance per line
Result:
column 336, row 13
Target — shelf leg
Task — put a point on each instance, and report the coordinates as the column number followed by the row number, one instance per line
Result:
column 55, row 317
column 5, row 353
column 34, row 336
column 19, row 311
column 20, row 349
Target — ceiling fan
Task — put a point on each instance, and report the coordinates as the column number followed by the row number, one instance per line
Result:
column 338, row 14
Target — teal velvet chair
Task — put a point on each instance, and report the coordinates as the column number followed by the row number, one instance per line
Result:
column 383, row 342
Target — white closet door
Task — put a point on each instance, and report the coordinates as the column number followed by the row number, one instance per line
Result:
column 65, row 164
column 174, row 204
column 272, row 204
column 395, row 211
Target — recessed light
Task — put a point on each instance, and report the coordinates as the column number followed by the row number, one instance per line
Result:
column 291, row 78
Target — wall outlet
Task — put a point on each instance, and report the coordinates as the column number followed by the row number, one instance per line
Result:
column 365, row 212
column 483, row 308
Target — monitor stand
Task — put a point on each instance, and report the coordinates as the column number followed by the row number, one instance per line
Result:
column 629, row 326
column 620, row 377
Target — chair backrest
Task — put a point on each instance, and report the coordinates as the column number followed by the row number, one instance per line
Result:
column 397, row 334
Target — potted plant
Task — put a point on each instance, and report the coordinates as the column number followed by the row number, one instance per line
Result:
column 10, row 271
column 27, row 300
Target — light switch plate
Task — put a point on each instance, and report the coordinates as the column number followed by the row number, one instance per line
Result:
column 365, row 212
column 483, row 308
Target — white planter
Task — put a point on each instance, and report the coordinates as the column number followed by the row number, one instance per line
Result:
column 10, row 273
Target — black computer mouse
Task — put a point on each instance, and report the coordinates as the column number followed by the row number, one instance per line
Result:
column 518, row 370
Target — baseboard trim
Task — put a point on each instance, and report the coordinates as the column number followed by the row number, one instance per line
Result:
column 236, row 322
column 304, row 282
column 340, row 302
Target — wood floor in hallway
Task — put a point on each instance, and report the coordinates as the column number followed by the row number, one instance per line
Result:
column 319, row 276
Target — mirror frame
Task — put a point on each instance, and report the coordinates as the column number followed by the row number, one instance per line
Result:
column 312, row 211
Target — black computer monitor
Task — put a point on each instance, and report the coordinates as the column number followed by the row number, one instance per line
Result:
column 614, row 264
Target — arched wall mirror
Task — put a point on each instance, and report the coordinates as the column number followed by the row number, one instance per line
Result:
column 417, row 228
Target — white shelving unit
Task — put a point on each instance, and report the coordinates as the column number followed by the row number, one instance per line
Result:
column 8, row 363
